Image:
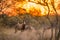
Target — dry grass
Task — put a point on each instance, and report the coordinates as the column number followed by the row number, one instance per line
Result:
column 8, row 34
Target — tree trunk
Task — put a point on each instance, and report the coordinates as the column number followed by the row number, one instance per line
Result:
column 51, row 34
column 58, row 35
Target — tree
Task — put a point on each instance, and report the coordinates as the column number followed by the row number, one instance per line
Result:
column 45, row 3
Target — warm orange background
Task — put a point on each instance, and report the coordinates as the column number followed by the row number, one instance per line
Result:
column 24, row 6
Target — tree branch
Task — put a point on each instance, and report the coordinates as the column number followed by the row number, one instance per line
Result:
column 43, row 4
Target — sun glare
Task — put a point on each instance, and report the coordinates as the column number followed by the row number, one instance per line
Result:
column 27, row 7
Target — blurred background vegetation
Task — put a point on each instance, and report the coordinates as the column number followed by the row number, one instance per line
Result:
column 45, row 26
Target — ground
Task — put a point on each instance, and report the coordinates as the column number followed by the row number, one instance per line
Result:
column 8, row 34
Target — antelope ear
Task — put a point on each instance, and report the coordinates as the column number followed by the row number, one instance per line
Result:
column 26, row 27
column 24, row 22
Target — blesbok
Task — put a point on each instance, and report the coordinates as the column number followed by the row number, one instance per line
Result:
column 21, row 27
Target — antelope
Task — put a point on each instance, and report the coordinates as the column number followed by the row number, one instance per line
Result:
column 21, row 27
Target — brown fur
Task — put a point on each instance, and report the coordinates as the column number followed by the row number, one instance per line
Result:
column 19, row 26
column 22, row 27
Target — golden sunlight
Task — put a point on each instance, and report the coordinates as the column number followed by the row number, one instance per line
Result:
column 33, row 8
column 28, row 6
